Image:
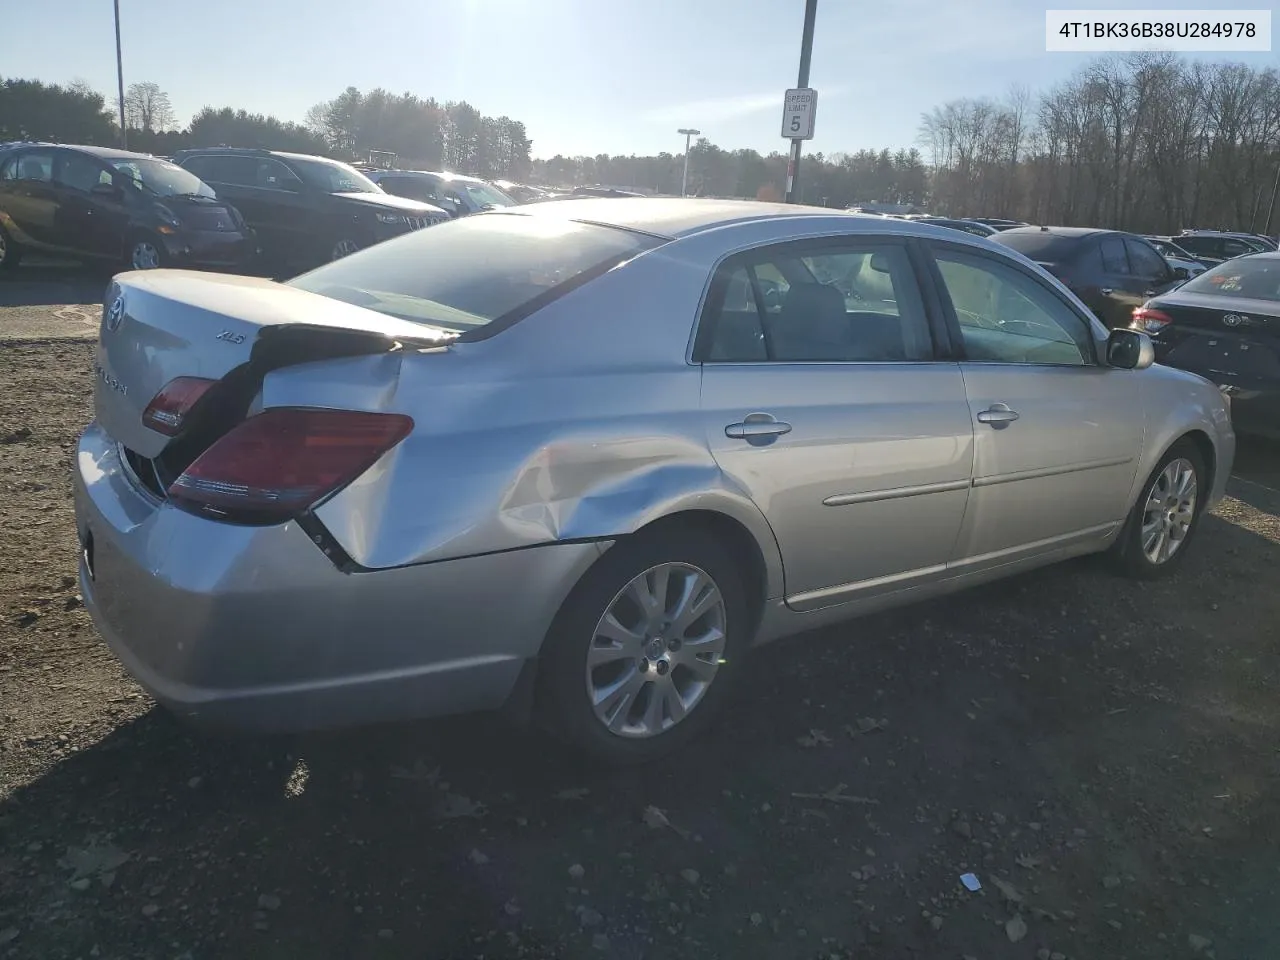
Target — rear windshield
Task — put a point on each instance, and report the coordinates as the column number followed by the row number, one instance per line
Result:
column 1040, row 246
column 1254, row 278
column 467, row 273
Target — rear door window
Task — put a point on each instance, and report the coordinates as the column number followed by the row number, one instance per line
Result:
column 34, row 166
column 842, row 303
column 1114, row 259
column 1146, row 263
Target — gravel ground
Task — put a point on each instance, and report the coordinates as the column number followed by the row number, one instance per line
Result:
column 1101, row 754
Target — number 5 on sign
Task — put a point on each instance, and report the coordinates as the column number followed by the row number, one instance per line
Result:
column 798, row 110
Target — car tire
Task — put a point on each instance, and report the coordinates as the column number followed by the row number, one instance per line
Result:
column 568, row 690
column 10, row 252
column 145, row 251
column 1163, row 522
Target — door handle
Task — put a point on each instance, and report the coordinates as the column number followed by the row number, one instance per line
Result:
column 757, row 426
column 999, row 415
column 1106, row 291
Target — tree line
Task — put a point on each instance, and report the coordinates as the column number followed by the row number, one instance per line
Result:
column 412, row 131
column 1145, row 142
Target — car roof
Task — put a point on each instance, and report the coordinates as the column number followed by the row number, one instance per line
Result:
column 1058, row 231
column 676, row 217
column 106, row 153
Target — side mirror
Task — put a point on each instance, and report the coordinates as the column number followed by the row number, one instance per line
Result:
column 1130, row 350
column 109, row 191
column 1181, row 273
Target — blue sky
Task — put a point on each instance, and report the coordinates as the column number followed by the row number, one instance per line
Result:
column 585, row 76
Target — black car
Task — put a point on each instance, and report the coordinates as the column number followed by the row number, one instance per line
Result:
column 1210, row 247
column 964, row 226
column 999, row 224
column 1111, row 271
column 112, row 205
column 1225, row 326
column 453, row 193
column 306, row 210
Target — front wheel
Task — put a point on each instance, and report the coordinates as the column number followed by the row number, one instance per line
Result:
column 145, row 253
column 1160, row 527
column 9, row 252
column 645, row 652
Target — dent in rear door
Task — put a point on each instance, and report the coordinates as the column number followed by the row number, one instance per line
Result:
column 864, row 474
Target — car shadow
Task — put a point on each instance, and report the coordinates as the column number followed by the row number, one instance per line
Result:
column 1057, row 696
column 38, row 283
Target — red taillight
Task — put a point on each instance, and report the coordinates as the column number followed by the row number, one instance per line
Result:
column 166, row 411
column 1150, row 320
column 275, row 465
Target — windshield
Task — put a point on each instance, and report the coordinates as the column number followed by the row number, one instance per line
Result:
column 162, row 177
column 481, row 193
column 466, row 273
column 1254, row 278
column 1039, row 245
column 330, row 176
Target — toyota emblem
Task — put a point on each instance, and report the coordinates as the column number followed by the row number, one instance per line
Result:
column 115, row 313
column 1234, row 319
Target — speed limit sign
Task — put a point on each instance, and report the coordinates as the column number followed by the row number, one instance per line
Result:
column 798, row 109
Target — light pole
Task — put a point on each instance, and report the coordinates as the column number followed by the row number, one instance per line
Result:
column 689, row 133
column 124, row 132
column 806, row 53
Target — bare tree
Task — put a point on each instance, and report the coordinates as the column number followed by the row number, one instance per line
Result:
column 147, row 108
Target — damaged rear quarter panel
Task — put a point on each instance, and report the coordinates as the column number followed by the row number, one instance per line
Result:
column 557, row 429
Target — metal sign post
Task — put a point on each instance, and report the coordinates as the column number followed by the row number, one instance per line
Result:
column 800, row 104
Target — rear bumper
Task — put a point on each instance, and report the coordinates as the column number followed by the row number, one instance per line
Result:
column 1255, row 412
column 254, row 629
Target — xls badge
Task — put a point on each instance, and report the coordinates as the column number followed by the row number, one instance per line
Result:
column 115, row 313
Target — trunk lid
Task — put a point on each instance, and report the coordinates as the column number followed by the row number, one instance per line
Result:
column 1229, row 340
column 159, row 325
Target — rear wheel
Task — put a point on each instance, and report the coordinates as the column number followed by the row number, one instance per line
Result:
column 9, row 252
column 1158, row 533
column 646, row 650
column 145, row 252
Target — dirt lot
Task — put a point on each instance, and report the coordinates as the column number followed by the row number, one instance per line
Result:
column 1102, row 755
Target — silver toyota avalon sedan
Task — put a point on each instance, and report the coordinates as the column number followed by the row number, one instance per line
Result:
column 582, row 457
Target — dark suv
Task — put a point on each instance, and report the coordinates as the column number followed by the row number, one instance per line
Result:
column 1111, row 271
column 124, row 208
column 1211, row 248
column 306, row 210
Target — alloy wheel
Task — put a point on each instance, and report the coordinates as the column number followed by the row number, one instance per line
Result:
column 1169, row 511
column 656, row 650
column 145, row 256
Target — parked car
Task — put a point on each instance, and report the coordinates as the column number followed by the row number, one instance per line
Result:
column 114, row 206
column 1111, row 271
column 1213, row 247
column 965, row 226
column 456, row 194
column 1176, row 257
column 306, row 210
column 1225, row 326
column 998, row 223
column 563, row 456
column 523, row 192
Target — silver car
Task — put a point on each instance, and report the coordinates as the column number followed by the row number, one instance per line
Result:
column 581, row 458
